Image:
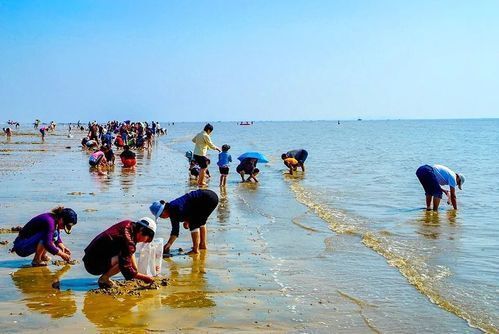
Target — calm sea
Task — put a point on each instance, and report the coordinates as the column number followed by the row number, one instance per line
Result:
column 352, row 230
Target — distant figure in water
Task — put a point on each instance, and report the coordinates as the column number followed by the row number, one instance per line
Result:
column 98, row 158
column 88, row 144
column 7, row 131
column 193, row 209
column 432, row 178
column 108, row 154
column 42, row 234
column 42, row 131
column 299, row 155
column 113, row 251
column 128, row 157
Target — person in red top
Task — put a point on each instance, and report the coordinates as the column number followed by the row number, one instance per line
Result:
column 112, row 251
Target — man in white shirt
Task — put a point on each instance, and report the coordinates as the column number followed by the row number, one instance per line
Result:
column 432, row 178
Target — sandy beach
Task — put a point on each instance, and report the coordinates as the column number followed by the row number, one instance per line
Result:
column 275, row 262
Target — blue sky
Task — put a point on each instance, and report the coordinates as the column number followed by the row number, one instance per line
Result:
column 248, row 60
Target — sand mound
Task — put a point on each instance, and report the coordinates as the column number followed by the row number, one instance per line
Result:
column 63, row 263
column 132, row 287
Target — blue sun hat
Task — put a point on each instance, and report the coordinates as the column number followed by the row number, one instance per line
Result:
column 157, row 209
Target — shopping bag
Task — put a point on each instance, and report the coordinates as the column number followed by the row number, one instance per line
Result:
column 150, row 257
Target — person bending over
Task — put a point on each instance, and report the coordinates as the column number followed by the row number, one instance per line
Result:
column 300, row 155
column 432, row 178
column 248, row 167
column 193, row 209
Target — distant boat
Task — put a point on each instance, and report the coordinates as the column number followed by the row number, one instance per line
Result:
column 246, row 123
column 359, row 119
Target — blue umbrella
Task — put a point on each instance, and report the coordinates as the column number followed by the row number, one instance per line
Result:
column 253, row 155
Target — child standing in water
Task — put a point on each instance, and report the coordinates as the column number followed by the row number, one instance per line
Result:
column 224, row 159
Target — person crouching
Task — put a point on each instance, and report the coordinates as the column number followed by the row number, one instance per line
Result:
column 128, row 157
column 42, row 234
column 113, row 250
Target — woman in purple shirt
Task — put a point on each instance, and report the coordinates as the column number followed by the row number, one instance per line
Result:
column 42, row 234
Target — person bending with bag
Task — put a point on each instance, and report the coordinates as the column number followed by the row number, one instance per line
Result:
column 113, row 250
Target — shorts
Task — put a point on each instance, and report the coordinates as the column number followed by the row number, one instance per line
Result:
column 26, row 247
column 194, row 171
column 428, row 180
column 201, row 161
column 96, row 265
column 224, row 170
column 204, row 210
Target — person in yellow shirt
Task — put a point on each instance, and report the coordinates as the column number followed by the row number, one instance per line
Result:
column 202, row 143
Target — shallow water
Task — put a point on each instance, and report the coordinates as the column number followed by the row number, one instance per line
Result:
column 344, row 247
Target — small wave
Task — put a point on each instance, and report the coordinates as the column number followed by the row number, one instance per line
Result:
column 402, row 255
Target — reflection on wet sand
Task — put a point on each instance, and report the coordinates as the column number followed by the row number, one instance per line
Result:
column 108, row 312
column 144, row 156
column 452, row 216
column 127, row 178
column 191, row 284
column 102, row 178
column 430, row 222
column 223, row 208
column 35, row 284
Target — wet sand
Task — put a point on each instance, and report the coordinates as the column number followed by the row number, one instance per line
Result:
column 267, row 269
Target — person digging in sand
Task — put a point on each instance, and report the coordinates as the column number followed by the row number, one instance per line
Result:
column 193, row 209
column 113, row 250
column 42, row 234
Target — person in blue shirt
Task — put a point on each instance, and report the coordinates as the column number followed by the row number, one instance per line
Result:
column 107, row 139
column 193, row 209
column 224, row 159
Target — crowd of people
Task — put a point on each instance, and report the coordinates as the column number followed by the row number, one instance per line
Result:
column 101, row 138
